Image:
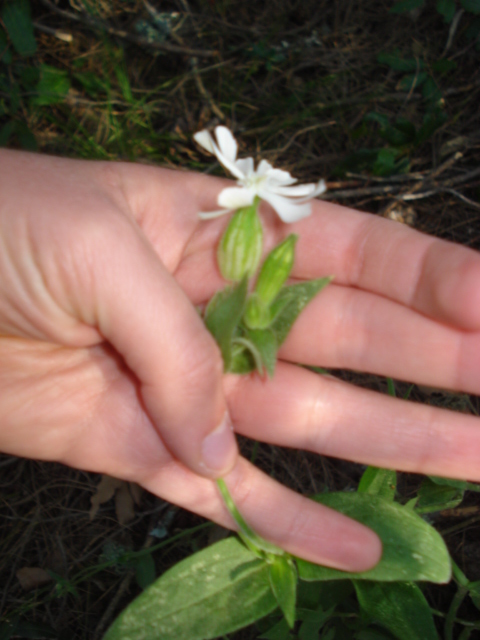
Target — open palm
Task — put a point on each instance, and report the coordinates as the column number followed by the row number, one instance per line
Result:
column 105, row 364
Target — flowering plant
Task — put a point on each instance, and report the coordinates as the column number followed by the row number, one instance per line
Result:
column 229, row 585
column 250, row 322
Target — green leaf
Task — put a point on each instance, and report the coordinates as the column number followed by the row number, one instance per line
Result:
column 447, row 9
column 6, row 132
column 474, row 592
column 5, row 56
column 327, row 594
column 395, row 61
column 471, row 5
column 412, row 549
column 313, row 621
column 400, row 607
column 26, row 137
column 413, row 81
column 443, row 66
column 145, row 571
column 279, row 631
column 386, row 162
column 430, row 91
column 283, row 582
column 52, row 87
column 435, row 497
column 431, row 122
column 294, row 299
column 379, row 482
column 266, row 345
column 223, row 315
column 406, row 5
column 18, row 23
column 211, row 593
column 461, row 485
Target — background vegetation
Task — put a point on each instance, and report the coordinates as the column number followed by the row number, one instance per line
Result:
column 380, row 98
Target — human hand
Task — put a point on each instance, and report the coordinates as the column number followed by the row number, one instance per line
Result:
column 87, row 378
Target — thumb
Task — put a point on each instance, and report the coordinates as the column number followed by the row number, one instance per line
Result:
column 149, row 320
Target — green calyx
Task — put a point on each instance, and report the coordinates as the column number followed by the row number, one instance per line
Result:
column 261, row 306
column 240, row 248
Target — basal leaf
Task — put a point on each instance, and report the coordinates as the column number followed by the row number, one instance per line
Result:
column 18, row 23
column 380, row 482
column 412, row 549
column 211, row 593
column 223, row 315
column 283, row 582
column 400, row 607
column 297, row 296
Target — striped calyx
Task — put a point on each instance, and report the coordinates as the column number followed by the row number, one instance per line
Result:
column 240, row 248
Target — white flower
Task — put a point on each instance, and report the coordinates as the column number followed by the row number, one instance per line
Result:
column 270, row 184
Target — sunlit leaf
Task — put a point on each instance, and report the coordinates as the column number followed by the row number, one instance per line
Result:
column 412, row 549
column 211, row 593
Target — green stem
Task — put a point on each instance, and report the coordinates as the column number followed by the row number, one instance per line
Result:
column 452, row 611
column 246, row 531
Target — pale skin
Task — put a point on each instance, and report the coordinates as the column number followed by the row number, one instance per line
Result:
column 105, row 364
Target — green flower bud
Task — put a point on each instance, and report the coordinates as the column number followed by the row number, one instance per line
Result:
column 257, row 315
column 240, row 248
column 275, row 270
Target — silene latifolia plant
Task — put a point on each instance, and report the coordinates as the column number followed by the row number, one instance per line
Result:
column 240, row 580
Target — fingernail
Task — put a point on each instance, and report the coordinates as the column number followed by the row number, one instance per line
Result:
column 219, row 449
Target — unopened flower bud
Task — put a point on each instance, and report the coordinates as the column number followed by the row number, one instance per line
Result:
column 240, row 248
column 275, row 270
column 257, row 315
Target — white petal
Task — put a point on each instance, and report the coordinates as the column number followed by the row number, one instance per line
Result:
column 226, row 143
column 287, row 210
column 205, row 140
column 320, row 188
column 280, row 177
column 228, row 164
column 263, row 167
column 236, row 197
column 245, row 165
column 297, row 190
column 208, row 215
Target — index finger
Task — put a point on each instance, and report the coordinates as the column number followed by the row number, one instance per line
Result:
column 432, row 276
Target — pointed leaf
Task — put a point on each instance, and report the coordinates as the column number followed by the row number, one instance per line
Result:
column 18, row 23
column 412, row 549
column 223, row 315
column 283, row 581
column 211, row 593
column 298, row 296
column 380, row 482
column 400, row 607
